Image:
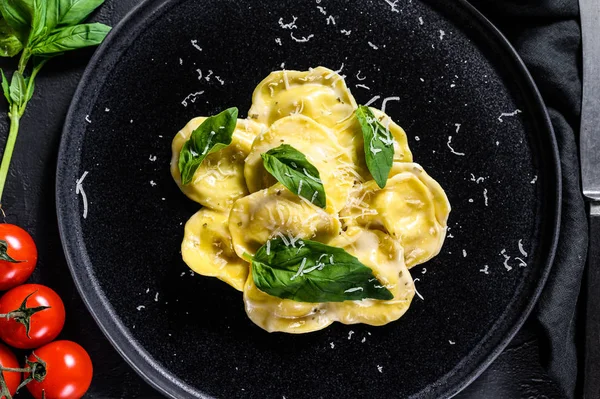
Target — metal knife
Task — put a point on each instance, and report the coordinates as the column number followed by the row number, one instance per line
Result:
column 590, row 173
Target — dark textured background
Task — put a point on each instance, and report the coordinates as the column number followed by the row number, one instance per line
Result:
column 29, row 201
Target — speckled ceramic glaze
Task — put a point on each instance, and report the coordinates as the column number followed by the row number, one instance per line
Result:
column 475, row 122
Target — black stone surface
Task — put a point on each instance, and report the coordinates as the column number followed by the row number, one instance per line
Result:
column 113, row 378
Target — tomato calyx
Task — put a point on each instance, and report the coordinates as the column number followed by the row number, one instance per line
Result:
column 36, row 369
column 4, row 253
column 23, row 313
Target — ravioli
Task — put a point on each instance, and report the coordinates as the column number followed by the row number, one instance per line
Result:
column 219, row 180
column 412, row 208
column 207, row 248
column 382, row 232
column 320, row 94
column 283, row 315
column 321, row 148
column 275, row 211
column 385, row 256
column 374, row 249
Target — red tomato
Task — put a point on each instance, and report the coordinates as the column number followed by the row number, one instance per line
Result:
column 45, row 324
column 9, row 360
column 68, row 371
column 15, row 244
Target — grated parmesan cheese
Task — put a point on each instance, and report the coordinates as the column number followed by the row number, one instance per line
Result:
column 452, row 149
column 300, row 269
column 392, row 4
column 521, row 249
column 350, row 290
column 289, row 25
column 303, row 39
column 506, row 114
column 196, row 46
column 190, row 98
column 385, row 101
column 79, row 191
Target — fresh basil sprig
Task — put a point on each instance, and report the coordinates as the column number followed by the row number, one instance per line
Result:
column 214, row 134
column 308, row 271
column 378, row 144
column 39, row 30
column 71, row 38
column 291, row 168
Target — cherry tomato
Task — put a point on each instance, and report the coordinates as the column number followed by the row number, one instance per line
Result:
column 26, row 303
column 68, row 371
column 18, row 256
column 12, row 379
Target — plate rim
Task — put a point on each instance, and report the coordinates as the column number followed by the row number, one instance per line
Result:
column 136, row 356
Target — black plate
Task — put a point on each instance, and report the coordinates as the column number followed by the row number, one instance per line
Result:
column 189, row 335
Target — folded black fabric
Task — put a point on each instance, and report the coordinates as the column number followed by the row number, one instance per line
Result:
column 546, row 33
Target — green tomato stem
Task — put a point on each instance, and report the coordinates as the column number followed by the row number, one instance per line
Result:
column 12, row 315
column 15, row 116
column 11, row 370
column 10, row 146
column 24, row 59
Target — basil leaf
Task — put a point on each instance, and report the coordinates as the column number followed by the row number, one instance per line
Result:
column 10, row 45
column 291, row 168
column 6, row 87
column 378, row 143
column 17, row 89
column 71, row 38
column 309, row 271
column 18, row 15
column 26, row 17
column 38, row 19
column 212, row 135
column 63, row 13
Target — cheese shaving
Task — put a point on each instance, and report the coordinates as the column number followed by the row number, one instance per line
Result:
column 289, row 25
column 79, row 191
column 385, row 101
column 506, row 114
column 521, row 249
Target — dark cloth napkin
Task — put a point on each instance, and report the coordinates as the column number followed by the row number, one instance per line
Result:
column 547, row 35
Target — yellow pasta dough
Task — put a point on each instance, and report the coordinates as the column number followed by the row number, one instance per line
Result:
column 276, row 211
column 412, row 208
column 320, row 94
column 207, row 248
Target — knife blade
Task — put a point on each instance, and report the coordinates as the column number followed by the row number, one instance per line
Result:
column 590, row 106
column 590, row 174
